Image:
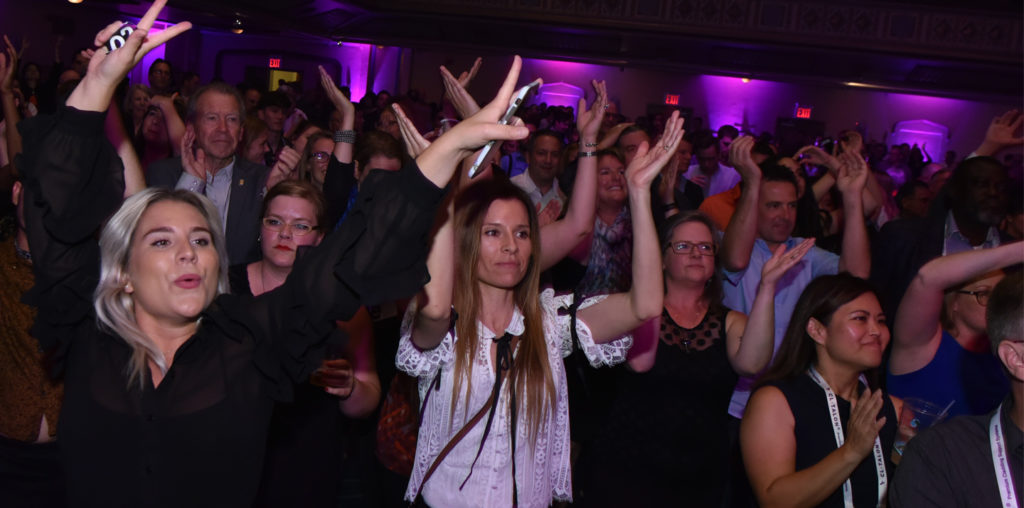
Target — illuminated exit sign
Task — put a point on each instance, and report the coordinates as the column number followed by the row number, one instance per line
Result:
column 274, row 63
column 672, row 100
column 802, row 111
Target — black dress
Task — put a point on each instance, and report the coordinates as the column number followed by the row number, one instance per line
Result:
column 197, row 439
column 664, row 440
column 815, row 438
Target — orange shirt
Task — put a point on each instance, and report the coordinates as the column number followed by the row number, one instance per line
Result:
column 721, row 206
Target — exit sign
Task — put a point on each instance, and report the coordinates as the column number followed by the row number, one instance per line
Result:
column 672, row 100
column 801, row 111
column 274, row 63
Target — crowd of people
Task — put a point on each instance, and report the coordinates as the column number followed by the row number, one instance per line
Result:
column 221, row 295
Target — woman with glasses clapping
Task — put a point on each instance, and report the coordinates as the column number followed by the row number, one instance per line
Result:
column 684, row 365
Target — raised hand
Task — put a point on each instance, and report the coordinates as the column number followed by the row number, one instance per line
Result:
column 415, row 143
column 811, row 154
column 456, row 93
column 649, row 160
column 341, row 103
column 8, row 65
column 669, row 176
column 852, row 175
column 612, row 135
column 24, row 45
column 1004, row 131
column 782, row 260
column 740, row 158
column 193, row 158
column 467, row 76
column 863, row 426
column 588, row 122
column 284, row 168
column 851, row 141
column 106, row 70
column 549, row 214
column 164, row 102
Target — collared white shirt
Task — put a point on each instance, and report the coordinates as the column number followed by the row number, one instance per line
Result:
column 540, row 201
column 953, row 241
column 542, row 467
column 724, row 179
column 217, row 187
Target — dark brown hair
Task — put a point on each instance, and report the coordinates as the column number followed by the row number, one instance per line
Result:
column 819, row 300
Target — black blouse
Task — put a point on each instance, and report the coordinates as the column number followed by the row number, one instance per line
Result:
column 198, row 439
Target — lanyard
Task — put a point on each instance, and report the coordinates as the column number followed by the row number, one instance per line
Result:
column 837, row 429
column 1007, row 492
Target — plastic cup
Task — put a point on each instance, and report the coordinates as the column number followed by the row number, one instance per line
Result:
column 915, row 416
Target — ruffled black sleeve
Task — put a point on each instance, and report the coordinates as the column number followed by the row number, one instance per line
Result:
column 378, row 254
column 338, row 185
column 73, row 181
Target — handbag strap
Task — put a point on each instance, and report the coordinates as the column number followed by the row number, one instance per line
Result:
column 454, row 441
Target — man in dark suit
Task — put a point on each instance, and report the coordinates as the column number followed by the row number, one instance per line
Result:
column 965, row 216
column 236, row 186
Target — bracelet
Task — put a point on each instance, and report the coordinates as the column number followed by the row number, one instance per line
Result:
column 588, row 154
column 590, row 145
column 348, row 136
column 448, row 120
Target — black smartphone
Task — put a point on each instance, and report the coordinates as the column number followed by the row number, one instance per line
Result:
column 120, row 38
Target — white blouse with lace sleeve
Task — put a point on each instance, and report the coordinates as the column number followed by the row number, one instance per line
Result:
column 542, row 467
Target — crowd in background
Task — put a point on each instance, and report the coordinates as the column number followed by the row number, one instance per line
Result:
column 845, row 270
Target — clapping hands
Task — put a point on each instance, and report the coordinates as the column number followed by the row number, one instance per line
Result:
column 650, row 159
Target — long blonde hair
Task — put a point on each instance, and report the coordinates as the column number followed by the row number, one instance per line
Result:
column 531, row 375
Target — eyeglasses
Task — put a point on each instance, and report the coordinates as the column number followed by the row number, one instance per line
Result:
column 295, row 228
column 683, row 248
column 321, row 156
column 981, row 296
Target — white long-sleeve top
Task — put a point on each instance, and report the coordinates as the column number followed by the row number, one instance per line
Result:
column 542, row 467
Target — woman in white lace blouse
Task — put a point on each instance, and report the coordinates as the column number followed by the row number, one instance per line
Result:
column 485, row 270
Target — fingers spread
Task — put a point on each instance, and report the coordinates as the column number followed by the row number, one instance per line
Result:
column 154, row 10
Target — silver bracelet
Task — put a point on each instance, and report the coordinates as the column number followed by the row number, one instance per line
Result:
column 348, row 136
column 588, row 154
column 590, row 145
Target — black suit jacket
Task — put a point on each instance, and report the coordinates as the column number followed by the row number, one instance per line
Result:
column 901, row 248
column 248, row 186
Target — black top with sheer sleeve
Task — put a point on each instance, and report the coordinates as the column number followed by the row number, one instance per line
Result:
column 198, row 439
column 338, row 184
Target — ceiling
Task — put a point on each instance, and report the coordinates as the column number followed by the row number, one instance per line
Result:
column 934, row 47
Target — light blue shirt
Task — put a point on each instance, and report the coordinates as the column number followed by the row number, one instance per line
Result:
column 740, row 288
column 217, row 187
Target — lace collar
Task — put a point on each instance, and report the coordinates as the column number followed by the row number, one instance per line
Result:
column 517, row 326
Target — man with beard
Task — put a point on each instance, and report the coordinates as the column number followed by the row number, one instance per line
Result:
column 965, row 216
